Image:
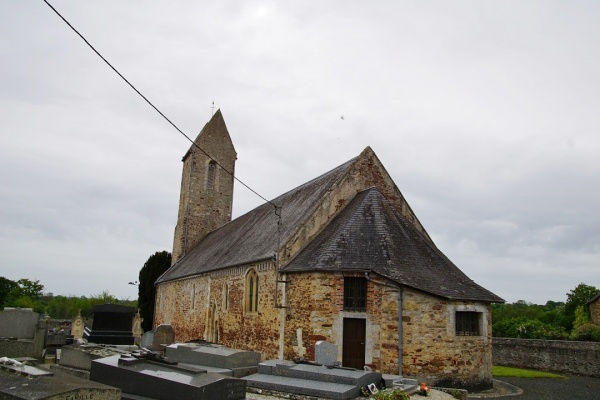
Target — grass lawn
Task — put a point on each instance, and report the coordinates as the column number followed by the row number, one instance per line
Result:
column 509, row 372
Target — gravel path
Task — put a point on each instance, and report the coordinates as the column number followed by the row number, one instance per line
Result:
column 572, row 388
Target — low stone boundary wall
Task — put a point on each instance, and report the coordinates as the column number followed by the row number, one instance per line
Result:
column 580, row 358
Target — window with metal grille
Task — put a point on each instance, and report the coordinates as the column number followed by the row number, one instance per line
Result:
column 355, row 294
column 467, row 323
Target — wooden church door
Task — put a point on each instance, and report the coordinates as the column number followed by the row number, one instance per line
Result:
column 353, row 346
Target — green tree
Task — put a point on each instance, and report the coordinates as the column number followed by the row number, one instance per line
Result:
column 575, row 298
column 154, row 267
column 6, row 285
column 524, row 328
column 26, row 294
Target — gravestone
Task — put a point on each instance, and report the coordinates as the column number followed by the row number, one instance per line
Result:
column 110, row 324
column 326, row 353
column 164, row 335
column 160, row 381
column 22, row 333
column 137, row 327
column 147, row 339
column 18, row 323
column 77, row 326
column 298, row 347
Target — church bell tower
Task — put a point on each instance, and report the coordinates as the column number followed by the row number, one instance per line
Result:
column 206, row 195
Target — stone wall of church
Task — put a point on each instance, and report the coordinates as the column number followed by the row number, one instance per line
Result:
column 212, row 307
column 322, row 318
column 431, row 350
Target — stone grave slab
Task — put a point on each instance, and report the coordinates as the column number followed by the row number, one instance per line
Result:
column 32, row 383
column 311, row 379
column 240, row 362
column 154, row 380
column 326, row 353
column 81, row 357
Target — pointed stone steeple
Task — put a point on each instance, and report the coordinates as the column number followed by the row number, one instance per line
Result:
column 206, row 197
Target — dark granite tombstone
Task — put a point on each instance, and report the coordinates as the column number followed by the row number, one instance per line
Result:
column 110, row 324
column 159, row 381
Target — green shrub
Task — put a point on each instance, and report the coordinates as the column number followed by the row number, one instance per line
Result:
column 528, row 329
column 587, row 332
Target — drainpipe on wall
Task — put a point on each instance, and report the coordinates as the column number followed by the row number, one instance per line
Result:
column 282, row 316
column 400, row 331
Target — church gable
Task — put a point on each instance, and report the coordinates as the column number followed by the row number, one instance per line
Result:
column 363, row 172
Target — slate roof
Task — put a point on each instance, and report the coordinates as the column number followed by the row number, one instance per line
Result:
column 370, row 234
column 253, row 236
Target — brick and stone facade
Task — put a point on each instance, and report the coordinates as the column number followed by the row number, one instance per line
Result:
column 212, row 307
column 274, row 279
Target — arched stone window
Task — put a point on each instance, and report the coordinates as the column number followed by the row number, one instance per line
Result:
column 194, row 296
column 251, row 302
column 211, row 174
column 225, row 296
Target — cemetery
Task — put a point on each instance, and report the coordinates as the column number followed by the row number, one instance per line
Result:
column 40, row 359
column 104, row 357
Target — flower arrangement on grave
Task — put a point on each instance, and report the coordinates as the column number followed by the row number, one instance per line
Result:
column 391, row 394
column 423, row 389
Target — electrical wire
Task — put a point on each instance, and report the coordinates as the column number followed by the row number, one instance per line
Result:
column 157, row 110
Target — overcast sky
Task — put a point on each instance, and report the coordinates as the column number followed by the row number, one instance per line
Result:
column 485, row 114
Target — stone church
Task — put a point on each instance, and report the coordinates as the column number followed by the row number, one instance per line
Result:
column 341, row 258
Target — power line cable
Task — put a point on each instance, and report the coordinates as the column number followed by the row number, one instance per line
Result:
column 156, row 109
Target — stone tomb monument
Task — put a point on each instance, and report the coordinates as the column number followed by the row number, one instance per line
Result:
column 110, row 324
column 22, row 333
column 159, row 381
column 234, row 362
column 77, row 326
column 32, row 383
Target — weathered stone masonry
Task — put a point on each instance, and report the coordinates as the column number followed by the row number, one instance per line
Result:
column 195, row 304
column 409, row 319
column 582, row 358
